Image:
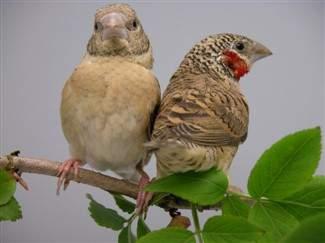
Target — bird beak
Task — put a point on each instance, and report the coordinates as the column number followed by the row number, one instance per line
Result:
column 259, row 51
column 114, row 26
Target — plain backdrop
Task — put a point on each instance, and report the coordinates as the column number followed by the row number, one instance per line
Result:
column 42, row 42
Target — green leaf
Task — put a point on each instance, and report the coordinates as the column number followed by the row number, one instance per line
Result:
column 271, row 217
column 232, row 205
column 142, row 228
column 300, row 212
column 11, row 211
column 308, row 201
column 287, row 166
column 204, row 188
column 230, row 229
column 126, row 235
column 310, row 230
column 158, row 197
column 124, row 204
column 103, row 216
column 313, row 194
column 173, row 235
column 7, row 186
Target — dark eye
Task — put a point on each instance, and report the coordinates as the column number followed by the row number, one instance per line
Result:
column 98, row 26
column 134, row 24
column 240, row 46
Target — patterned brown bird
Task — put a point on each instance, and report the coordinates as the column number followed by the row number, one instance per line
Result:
column 204, row 116
column 109, row 101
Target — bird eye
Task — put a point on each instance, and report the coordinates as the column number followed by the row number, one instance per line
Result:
column 97, row 26
column 132, row 26
column 135, row 24
column 240, row 46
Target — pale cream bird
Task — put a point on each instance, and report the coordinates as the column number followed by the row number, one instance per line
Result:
column 204, row 115
column 109, row 102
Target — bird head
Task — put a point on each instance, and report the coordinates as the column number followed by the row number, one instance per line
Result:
column 227, row 54
column 117, row 31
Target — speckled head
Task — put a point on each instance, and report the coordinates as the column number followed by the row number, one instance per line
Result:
column 225, row 54
column 117, row 31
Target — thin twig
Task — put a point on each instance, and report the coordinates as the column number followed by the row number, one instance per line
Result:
column 92, row 178
column 196, row 222
column 88, row 177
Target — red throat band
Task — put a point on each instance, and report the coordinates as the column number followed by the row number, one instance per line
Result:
column 238, row 66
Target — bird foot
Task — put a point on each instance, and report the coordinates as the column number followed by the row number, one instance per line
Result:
column 14, row 171
column 63, row 172
column 143, row 197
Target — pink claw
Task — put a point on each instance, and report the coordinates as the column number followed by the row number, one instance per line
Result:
column 143, row 197
column 63, row 172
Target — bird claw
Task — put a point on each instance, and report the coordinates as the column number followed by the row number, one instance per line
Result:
column 143, row 197
column 63, row 173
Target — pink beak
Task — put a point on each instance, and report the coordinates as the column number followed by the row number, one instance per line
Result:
column 114, row 26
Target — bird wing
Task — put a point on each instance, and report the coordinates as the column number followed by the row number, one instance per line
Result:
column 204, row 114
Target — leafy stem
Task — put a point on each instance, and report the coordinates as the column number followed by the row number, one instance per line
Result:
column 130, row 236
column 132, row 218
column 196, row 223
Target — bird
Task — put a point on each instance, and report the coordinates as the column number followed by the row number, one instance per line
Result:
column 109, row 102
column 204, row 116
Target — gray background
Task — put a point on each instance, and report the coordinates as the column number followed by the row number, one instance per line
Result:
column 42, row 42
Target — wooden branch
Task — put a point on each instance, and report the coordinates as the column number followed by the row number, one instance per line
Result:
column 88, row 177
column 92, row 178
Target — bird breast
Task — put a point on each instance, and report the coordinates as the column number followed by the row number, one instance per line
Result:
column 106, row 110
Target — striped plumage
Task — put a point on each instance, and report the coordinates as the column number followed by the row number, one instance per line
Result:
column 203, row 115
